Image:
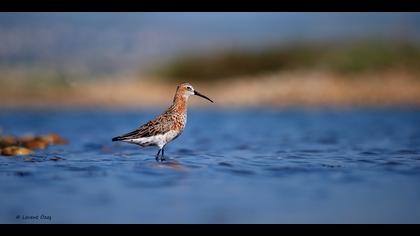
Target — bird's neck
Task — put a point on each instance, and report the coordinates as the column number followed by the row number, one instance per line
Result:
column 180, row 103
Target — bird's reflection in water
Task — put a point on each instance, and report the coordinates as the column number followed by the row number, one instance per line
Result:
column 171, row 164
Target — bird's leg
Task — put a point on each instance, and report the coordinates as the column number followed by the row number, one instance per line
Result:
column 157, row 155
column 163, row 155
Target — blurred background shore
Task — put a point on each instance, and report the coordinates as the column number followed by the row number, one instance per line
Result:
column 116, row 60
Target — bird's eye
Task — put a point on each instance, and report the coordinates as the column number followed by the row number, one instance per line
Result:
column 189, row 88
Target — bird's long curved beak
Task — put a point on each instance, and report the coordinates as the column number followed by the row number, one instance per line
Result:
column 201, row 95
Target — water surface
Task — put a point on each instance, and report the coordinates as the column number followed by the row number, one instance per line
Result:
column 245, row 166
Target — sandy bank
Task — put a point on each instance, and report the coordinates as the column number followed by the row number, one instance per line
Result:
column 281, row 89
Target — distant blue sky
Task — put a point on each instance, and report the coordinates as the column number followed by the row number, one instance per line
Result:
column 107, row 40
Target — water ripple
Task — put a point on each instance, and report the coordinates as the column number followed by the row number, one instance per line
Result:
column 244, row 170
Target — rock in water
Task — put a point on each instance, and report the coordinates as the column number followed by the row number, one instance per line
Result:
column 14, row 151
column 54, row 139
column 36, row 143
column 7, row 141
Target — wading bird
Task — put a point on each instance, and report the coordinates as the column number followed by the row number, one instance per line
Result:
column 167, row 126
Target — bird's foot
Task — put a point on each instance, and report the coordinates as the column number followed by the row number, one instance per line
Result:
column 160, row 158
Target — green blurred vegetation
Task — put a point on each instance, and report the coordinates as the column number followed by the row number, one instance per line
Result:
column 341, row 58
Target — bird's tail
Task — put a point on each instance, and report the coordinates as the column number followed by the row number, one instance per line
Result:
column 118, row 138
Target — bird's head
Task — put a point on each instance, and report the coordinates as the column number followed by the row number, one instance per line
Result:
column 186, row 90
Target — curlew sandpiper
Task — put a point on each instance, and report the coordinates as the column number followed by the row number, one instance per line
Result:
column 167, row 126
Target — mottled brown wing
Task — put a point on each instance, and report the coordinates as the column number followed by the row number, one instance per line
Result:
column 160, row 125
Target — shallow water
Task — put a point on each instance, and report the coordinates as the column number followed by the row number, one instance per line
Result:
column 246, row 166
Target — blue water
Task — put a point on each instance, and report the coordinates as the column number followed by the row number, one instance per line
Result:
column 240, row 166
